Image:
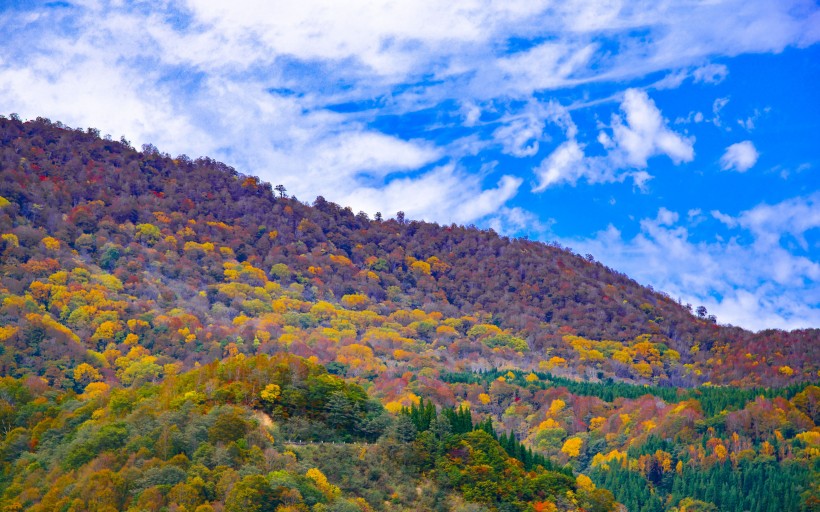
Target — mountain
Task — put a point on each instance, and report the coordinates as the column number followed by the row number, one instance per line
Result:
column 169, row 326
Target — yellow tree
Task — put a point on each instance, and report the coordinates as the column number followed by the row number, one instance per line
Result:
column 270, row 394
column 85, row 374
column 572, row 446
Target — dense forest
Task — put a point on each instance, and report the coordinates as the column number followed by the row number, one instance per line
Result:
column 177, row 336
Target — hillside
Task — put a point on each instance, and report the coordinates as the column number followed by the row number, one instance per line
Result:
column 147, row 219
column 126, row 274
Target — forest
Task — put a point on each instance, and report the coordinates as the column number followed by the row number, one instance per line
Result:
column 175, row 335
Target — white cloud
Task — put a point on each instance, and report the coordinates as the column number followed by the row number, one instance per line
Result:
column 693, row 117
column 758, row 284
column 717, row 106
column 728, row 220
column 638, row 135
column 667, row 217
column 547, row 66
column 644, row 133
column 377, row 45
column 740, row 157
column 471, row 113
column 793, row 217
column 96, row 91
column 672, row 80
column 365, row 152
column 565, row 164
column 394, row 41
column 376, row 34
column 711, row 73
column 519, row 135
column 514, row 221
column 445, row 194
column 750, row 122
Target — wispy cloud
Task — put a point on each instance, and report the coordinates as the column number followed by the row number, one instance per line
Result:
column 711, row 73
column 520, row 135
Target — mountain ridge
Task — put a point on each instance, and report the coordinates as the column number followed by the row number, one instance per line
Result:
column 546, row 293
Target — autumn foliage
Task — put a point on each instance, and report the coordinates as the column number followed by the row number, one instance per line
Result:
column 166, row 324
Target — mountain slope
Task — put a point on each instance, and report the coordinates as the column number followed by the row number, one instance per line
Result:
column 101, row 198
column 126, row 273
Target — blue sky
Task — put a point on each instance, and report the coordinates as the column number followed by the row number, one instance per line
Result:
column 675, row 141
